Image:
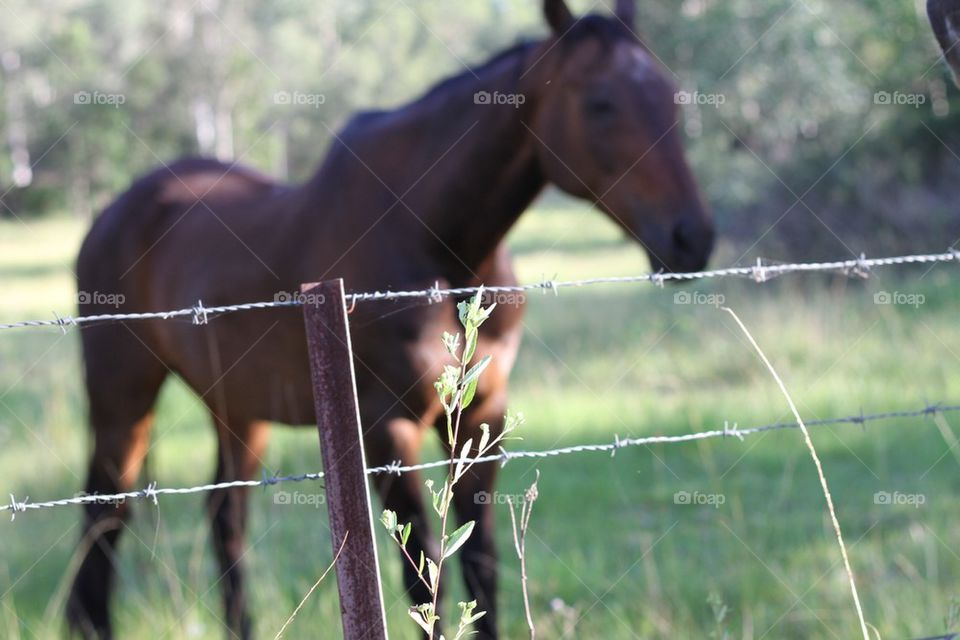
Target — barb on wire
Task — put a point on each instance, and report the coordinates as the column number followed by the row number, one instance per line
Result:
column 152, row 492
column 758, row 273
column 200, row 313
column 17, row 507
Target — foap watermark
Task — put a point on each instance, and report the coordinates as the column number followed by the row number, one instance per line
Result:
column 100, row 298
column 896, row 498
column 99, row 98
column 899, row 298
column 699, row 297
column 299, row 499
column 512, row 99
column 98, row 499
column 503, row 298
column 308, row 298
column 690, row 98
column 485, row 497
column 696, row 498
column 299, row 99
column 899, row 99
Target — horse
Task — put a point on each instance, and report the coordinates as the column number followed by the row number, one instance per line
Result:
column 945, row 19
column 405, row 199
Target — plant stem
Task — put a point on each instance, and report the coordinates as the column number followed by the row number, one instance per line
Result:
column 448, row 496
column 520, row 543
column 819, row 467
column 313, row 588
column 413, row 564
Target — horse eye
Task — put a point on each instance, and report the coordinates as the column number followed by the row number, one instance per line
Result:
column 600, row 107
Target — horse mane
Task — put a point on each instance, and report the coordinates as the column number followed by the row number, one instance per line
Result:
column 606, row 30
column 463, row 79
column 472, row 73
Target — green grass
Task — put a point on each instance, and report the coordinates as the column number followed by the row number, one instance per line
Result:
column 610, row 553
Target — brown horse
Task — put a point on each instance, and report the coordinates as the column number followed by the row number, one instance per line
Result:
column 945, row 18
column 404, row 199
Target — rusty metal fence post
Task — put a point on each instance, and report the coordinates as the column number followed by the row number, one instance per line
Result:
column 344, row 465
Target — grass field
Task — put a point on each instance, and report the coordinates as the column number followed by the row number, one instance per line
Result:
column 611, row 554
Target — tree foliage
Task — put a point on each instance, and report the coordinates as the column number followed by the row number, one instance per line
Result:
column 799, row 114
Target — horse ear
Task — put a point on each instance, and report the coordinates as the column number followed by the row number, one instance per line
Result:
column 945, row 18
column 558, row 15
column 626, row 10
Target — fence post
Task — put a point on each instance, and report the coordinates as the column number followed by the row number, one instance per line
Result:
column 341, row 446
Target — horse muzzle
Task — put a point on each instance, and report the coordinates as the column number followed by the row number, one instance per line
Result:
column 683, row 247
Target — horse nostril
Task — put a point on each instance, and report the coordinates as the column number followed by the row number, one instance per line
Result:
column 685, row 235
column 690, row 236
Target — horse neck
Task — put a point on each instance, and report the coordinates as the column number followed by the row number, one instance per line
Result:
column 474, row 166
column 493, row 178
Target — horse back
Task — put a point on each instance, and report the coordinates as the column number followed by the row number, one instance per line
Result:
column 122, row 235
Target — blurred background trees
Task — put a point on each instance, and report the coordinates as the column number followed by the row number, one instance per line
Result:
column 94, row 92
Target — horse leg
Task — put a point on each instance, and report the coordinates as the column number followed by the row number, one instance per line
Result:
column 389, row 440
column 472, row 500
column 121, row 395
column 241, row 444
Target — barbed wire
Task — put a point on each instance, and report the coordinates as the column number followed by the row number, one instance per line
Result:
column 152, row 492
column 200, row 314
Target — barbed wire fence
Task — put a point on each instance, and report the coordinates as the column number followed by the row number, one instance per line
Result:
column 759, row 273
column 152, row 492
column 345, row 505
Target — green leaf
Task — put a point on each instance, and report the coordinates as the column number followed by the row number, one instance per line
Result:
column 484, row 437
column 463, row 311
column 475, row 617
column 470, row 345
column 420, row 564
column 485, row 313
column 421, row 617
column 457, row 539
column 512, row 421
column 405, row 534
column 467, row 616
column 463, row 459
column 389, row 520
column 446, row 385
column 474, row 372
column 470, row 381
column 475, row 302
column 451, row 342
column 440, row 499
column 434, row 572
column 470, row 312
column 469, row 391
